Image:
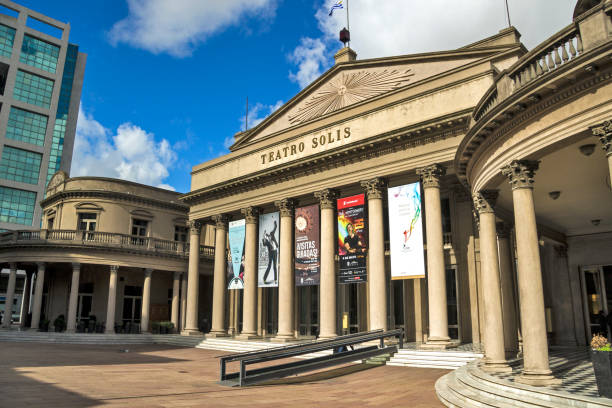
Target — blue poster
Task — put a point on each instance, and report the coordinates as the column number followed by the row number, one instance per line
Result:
column 237, row 231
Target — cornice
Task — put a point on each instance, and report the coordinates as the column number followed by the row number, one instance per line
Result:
column 113, row 195
column 383, row 144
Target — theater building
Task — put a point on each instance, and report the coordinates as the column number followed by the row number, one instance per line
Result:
column 507, row 147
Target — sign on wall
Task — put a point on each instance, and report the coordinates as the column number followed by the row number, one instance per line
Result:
column 237, row 231
column 269, row 250
column 307, row 246
column 352, row 244
column 406, row 232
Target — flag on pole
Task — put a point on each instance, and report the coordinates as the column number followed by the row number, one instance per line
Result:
column 337, row 5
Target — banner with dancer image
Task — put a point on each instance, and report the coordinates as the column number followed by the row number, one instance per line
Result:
column 237, row 231
column 352, row 244
column 307, row 246
column 269, row 237
column 406, row 232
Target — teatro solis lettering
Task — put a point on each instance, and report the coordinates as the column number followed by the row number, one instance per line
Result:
column 316, row 142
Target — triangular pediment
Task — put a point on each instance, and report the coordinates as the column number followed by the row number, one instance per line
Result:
column 355, row 83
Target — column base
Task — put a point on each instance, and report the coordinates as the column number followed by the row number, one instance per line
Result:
column 538, row 379
column 248, row 336
column 191, row 332
column 284, row 338
column 498, row 366
column 217, row 334
column 70, row 331
column 438, row 343
column 109, row 331
column 327, row 336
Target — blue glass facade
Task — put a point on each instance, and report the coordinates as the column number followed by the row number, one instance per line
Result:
column 7, row 38
column 39, row 54
column 17, row 206
column 33, row 89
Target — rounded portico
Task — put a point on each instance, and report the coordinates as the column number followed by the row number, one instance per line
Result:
column 537, row 156
column 110, row 252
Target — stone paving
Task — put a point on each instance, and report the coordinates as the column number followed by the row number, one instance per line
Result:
column 60, row 375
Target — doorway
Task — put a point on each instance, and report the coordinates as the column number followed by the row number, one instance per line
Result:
column 308, row 301
column 597, row 298
column 452, row 305
column 352, row 308
column 132, row 306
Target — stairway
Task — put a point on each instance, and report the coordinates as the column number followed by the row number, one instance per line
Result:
column 238, row 346
column 469, row 386
column 446, row 359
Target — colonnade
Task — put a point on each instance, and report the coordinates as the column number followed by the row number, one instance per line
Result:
column 375, row 190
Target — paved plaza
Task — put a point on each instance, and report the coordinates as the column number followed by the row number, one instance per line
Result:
column 60, row 375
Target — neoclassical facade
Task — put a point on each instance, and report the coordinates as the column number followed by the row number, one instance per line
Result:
column 110, row 251
column 516, row 196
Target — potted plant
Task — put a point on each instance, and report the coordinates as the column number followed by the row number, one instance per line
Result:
column 155, row 326
column 44, row 325
column 601, row 355
column 100, row 327
column 91, row 324
column 59, row 323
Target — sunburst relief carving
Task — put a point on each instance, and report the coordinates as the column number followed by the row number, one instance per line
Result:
column 350, row 88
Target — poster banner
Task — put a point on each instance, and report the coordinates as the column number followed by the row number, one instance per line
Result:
column 307, row 246
column 237, row 231
column 406, row 232
column 352, row 244
column 268, row 262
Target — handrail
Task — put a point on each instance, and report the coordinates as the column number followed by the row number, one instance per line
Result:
column 255, row 357
column 102, row 238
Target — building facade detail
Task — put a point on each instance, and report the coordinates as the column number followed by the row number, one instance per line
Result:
column 327, row 198
column 520, row 173
column 431, row 175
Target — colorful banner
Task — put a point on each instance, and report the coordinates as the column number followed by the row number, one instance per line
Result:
column 269, row 250
column 352, row 244
column 307, row 246
column 237, row 231
column 406, row 232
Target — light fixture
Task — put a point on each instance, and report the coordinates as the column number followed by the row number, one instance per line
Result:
column 587, row 149
column 595, row 222
column 554, row 194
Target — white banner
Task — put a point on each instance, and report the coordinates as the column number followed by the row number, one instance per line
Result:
column 406, row 232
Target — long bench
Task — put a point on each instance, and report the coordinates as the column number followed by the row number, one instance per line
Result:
column 340, row 355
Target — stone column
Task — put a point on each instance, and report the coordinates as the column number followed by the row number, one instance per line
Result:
column 10, row 294
column 193, row 286
column 183, row 300
column 377, row 279
column 146, row 301
column 25, row 302
column 112, row 300
column 604, row 133
column 74, row 298
column 174, row 312
column 220, row 272
column 436, row 273
column 286, row 283
column 506, row 276
column 249, row 305
column 531, row 294
column 495, row 354
column 327, row 297
column 38, row 294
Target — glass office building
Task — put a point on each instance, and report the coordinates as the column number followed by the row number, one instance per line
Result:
column 41, row 77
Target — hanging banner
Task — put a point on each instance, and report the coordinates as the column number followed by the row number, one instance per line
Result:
column 406, row 232
column 352, row 244
column 268, row 264
column 237, row 231
column 307, row 246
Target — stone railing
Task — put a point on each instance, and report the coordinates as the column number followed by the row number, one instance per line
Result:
column 101, row 239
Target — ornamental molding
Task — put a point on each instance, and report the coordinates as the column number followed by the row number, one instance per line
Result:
column 520, row 173
column 431, row 175
column 286, row 206
column 195, row 226
column 484, row 201
column 504, row 229
column 327, row 198
column 604, row 132
column 251, row 214
column 348, row 88
column 112, row 195
column 374, row 188
column 221, row 221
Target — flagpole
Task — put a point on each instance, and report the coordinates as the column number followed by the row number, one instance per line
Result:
column 348, row 27
column 507, row 13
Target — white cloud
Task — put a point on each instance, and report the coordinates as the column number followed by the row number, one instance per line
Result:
column 176, row 27
column 398, row 27
column 258, row 112
column 131, row 153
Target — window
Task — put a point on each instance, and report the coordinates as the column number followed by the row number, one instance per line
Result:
column 17, row 206
column 20, row 165
column 7, row 37
column 33, row 89
column 39, row 54
column 50, row 222
column 139, row 227
column 26, row 126
column 87, row 221
column 180, row 234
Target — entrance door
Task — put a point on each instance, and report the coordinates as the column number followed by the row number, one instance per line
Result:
column 452, row 304
column 132, row 306
column 270, row 310
column 309, row 310
column 352, row 308
column 85, row 301
column 597, row 296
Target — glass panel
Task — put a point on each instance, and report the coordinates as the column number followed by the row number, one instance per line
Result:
column 7, row 37
column 593, row 299
column 133, row 291
column 33, row 89
column 17, row 206
column 39, row 54
column 127, row 309
column 26, row 126
column 451, row 302
column 85, row 305
column 137, row 309
column 20, row 165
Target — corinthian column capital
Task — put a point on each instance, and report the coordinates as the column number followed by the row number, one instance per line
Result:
column 504, row 229
column 604, row 132
column 521, row 173
column 431, row 175
column 251, row 214
column 484, row 201
column 285, row 206
column 327, row 198
column 221, row 221
column 195, row 226
column 374, row 188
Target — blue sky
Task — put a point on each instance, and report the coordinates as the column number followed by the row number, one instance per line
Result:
column 166, row 80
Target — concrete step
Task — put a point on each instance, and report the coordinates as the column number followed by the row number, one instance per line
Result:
column 432, row 359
